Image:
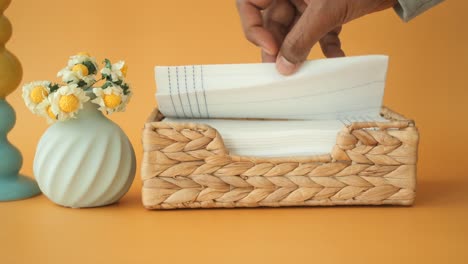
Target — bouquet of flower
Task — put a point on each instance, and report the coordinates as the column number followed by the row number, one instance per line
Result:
column 61, row 102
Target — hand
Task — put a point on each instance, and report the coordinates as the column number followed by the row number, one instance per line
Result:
column 286, row 30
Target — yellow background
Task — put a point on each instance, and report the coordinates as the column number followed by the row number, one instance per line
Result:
column 426, row 81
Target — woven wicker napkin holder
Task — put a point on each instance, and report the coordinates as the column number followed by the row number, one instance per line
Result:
column 186, row 165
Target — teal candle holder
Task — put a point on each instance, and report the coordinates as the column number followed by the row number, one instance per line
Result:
column 13, row 186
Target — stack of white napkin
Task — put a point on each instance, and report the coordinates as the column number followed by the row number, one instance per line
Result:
column 316, row 101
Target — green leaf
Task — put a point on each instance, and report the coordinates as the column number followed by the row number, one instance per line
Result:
column 107, row 84
column 107, row 63
column 125, row 88
column 82, row 83
column 54, row 87
column 106, row 76
column 91, row 67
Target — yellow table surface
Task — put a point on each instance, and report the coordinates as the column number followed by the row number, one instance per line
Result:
column 426, row 81
column 434, row 230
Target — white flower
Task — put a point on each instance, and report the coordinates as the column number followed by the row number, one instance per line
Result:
column 45, row 110
column 111, row 99
column 81, row 68
column 67, row 101
column 71, row 76
column 80, row 58
column 116, row 72
column 34, row 93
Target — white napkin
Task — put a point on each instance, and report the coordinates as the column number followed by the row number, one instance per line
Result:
column 340, row 88
column 276, row 138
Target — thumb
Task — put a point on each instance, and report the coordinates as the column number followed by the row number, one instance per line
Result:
column 319, row 18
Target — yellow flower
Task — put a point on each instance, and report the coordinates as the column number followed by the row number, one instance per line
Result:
column 124, row 70
column 76, row 70
column 45, row 110
column 80, row 58
column 34, row 93
column 111, row 99
column 38, row 94
column 67, row 102
column 81, row 68
column 50, row 113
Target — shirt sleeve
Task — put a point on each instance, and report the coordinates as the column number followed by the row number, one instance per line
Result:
column 409, row 9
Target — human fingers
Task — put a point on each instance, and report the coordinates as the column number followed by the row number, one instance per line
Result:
column 319, row 18
column 331, row 44
column 252, row 24
column 277, row 19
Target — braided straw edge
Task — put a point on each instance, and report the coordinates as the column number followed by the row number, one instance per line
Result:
column 186, row 165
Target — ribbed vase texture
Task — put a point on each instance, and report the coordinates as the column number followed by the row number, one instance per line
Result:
column 84, row 162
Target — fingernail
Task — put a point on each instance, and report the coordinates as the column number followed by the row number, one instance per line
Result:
column 286, row 67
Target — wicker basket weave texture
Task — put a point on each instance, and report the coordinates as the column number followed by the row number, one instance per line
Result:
column 186, row 165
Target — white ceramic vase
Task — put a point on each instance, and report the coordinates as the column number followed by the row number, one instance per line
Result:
column 85, row 162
